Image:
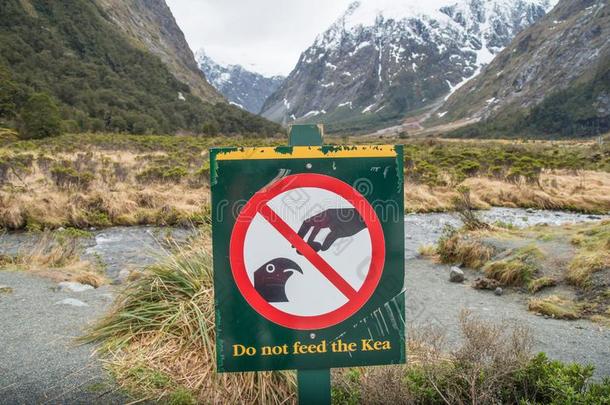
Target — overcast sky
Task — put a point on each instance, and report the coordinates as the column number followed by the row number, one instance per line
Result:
column 266, row 36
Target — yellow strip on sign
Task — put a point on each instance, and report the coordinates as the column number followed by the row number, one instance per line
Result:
column 309, row 152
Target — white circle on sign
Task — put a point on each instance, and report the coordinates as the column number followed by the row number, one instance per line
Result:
column 309, row 293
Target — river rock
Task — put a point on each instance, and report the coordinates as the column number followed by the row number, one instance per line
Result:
column 484, row 283
column 499, row 291
column 72, row 302
column 123, row 276
column 456, row 275
column 72, row 286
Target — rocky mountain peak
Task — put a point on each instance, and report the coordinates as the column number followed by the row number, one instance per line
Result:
column 151, row 24
column 242, row 87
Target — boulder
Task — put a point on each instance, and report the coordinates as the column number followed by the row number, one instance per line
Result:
column 123, row 276
column 72, row 302
column 456, row 275
column 71, row 286
column 499, row 291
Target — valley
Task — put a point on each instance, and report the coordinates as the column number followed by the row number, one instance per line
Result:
column 107, row 119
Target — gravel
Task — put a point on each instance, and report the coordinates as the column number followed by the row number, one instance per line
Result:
column 39, row 359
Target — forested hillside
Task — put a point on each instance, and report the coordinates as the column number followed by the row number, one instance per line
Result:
column 99, row 79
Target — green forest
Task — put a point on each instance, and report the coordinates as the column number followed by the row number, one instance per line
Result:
column 66, row 59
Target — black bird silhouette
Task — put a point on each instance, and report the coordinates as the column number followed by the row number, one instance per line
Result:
column 270, row 279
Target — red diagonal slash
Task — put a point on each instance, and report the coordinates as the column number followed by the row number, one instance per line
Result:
column 307, row 251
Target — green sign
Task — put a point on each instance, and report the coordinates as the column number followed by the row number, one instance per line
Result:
column 308, row 257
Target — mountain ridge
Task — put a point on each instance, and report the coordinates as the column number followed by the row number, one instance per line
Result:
column 151, row 24
column 565, row 55
column 240, row 86
column 355, row 74
column 99, row 77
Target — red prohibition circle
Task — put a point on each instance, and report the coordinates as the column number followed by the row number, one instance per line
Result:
column 250, row 210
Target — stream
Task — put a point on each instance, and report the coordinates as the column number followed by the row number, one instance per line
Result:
column 139, row 246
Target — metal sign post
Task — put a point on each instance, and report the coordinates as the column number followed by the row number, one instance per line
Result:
column 313, row 385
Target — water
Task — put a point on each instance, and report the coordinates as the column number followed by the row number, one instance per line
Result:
column 114, row 248
column 137, row 247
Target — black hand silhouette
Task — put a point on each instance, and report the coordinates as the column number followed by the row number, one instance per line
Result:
column 342, row 222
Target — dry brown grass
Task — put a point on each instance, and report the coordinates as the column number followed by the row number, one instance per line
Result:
column 516, row 270
column 58, row 260
column 593, row 255
column 563, row 190
column 427, row 250
column 538, row 284
column 467, row 250
column 114, row 197
column 555, row 307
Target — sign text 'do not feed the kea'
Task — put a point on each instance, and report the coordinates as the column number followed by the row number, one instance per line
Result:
column 308, row 257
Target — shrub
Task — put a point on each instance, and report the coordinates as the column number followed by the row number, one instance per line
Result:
column 456, row 248
column 466, row 210
column 16, row 165
column 493, row 365
column 162, row 174
column 66, row 177
column 546, row 381
column 40, row 117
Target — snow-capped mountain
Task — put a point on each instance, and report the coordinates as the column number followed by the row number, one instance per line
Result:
column 553, row 79
column 386, row 58
column 241, row 87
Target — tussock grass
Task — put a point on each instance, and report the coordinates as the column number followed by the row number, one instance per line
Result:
column 576, row 256
column 427, row 250
column 558, row 190
column 101, row 187
column 116, row 179
column 555, row 307
column 165, row 321
column 58, row 257
column 466, row 249
column 593, row 255
column 518, row 269
column 538, row 284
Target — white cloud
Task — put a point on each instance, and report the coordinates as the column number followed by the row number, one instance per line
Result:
column 265, row 35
